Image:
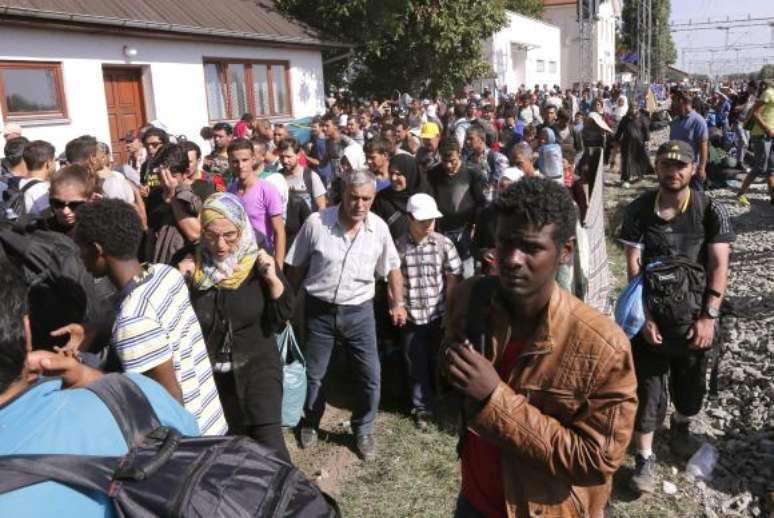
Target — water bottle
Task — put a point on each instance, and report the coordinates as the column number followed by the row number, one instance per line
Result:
column 702, row 462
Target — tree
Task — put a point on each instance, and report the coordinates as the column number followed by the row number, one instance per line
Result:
column 663, row 51
column 416, row 46
column 767, row 72
column 533, row 8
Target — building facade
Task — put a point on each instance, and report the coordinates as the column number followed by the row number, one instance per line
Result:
column 563, row 14
column 526, row 52
column 105, row 72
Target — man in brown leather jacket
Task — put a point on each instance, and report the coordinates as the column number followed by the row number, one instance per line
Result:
column 550, row 403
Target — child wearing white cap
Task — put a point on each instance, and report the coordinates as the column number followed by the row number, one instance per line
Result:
column 431, row 268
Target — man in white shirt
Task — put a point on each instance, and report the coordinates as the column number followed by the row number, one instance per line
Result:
column 337, row 254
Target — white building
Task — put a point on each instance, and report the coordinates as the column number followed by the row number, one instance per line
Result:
column 525, row 52
column 563, row 13
column 104, row 68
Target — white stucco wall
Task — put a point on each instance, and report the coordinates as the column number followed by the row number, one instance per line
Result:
column 173, row 78
column 603, row 42
column 542, row 42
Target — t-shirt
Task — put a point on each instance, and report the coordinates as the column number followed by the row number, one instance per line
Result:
column 482, row 482
column 297, row 187
column 36, row 197
column 687, row 234
column 691, row 128
column 156, row 323
column 46, row 419
column 262, row 202
column 279, row 183
column 768, row 111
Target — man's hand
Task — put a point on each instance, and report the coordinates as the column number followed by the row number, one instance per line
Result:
column 79, row 338
column 469, row 372
column 651, row 333
column 703, row 333
column 701, row 173
column 74, row 374
column 399, row 316
column 770, row 132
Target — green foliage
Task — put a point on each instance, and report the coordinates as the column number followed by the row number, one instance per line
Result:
column 533, row 8
column 663, row 49
column 767, row 72
column 429, row 46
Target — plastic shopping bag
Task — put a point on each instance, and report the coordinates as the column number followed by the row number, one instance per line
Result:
column 293, row 376
column 629, row 308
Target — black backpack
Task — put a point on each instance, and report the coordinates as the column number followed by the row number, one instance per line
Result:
column 12, row 206
column 674, row 296
column 166, row 474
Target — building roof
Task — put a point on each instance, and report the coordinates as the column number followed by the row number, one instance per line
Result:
column 550, row 3
column 256, row 20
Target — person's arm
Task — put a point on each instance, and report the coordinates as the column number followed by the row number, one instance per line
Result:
column 164, row 374
column 190, row 227
column 757, row 114
column 139, row 206
column 321, row 202
column 717, row 275
column 278, row 226
column 701, row 170
column 633, row 261
column 395, row 295
column 74, row 374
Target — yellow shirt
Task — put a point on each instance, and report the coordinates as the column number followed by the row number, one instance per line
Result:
column 768, row 111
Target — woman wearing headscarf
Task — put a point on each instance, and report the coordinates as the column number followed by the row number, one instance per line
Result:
column 390, row 203
column 241, row 299
column 550, row 159
column 632, row 136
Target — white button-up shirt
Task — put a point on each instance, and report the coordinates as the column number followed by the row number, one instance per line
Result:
column 342, row 269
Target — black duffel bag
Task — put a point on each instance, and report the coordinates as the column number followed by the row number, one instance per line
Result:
column 166, row 474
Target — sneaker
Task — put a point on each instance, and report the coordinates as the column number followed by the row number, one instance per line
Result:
column 644, row 479
column 743, row 201
column 421, row 420
column 682, row 443
column 366, row 446
column 308, row 437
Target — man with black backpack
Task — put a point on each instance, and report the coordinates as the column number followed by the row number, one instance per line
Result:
column 306, row 191
column 679, row 240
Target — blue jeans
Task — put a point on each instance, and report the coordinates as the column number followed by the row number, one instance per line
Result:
column 355, row 328
column 465, row 509
column 419, row 344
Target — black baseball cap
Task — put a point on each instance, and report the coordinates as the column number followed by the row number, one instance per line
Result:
column 675, row 150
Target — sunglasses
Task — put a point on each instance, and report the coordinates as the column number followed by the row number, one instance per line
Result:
column 62, row 205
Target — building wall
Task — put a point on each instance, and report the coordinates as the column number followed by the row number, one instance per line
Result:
column 173, row 78
column 514, row 67
column 603, row 42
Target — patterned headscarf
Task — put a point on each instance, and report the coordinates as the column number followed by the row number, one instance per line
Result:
column 230, row 272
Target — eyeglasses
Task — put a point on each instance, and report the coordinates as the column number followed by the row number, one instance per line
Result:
column 153, row 144
column 62, row 205
column 229, row 237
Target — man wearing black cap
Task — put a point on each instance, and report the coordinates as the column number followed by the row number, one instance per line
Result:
column 674, row 220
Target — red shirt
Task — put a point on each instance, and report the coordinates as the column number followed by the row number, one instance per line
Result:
column 482, row 482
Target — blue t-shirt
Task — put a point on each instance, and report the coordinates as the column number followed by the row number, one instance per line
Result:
column 45, row 419
column 691, row 128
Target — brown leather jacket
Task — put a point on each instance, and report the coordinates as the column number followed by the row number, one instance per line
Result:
column 565, row 416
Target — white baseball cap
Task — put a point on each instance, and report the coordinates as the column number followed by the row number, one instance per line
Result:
column 422, row 206
column 11, row 127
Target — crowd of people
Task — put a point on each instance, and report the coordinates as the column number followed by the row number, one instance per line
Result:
column 438, row 227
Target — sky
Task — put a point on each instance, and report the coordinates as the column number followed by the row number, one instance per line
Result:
column 722, row 61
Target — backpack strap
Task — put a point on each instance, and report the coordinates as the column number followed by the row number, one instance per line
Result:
column 307, row 174
column 133, row 413
column 83, row 472
column 480, row 302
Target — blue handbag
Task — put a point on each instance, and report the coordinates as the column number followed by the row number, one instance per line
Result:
column 630, row 309
column 293, row 376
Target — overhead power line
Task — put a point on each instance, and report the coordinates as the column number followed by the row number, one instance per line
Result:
column 698, row 22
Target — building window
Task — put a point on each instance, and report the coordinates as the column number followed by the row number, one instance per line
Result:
column 31, row 91
column 235, row 87
column 552, row 67
column 541, row 66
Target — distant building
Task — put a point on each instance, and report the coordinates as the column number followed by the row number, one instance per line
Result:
column 525, row 52
column 106, row 67
column 563, row 14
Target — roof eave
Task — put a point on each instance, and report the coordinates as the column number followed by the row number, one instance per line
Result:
column 165, row 27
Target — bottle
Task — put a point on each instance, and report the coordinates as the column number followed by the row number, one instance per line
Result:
column 702, row 462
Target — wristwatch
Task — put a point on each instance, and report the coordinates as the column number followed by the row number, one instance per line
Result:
column 711, row 312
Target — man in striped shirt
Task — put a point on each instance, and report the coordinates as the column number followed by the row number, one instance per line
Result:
column 156, row 331
column 431, row 268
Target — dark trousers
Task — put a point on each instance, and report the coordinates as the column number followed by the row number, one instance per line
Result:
column 419, row 344
column 354, row 328
column 659, row 376
column 465, row 509
column 262, row 419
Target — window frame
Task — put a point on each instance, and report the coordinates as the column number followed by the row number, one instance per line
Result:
column 56, row 67
column 552, row 67
column 540, row 65
column 221, row 65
